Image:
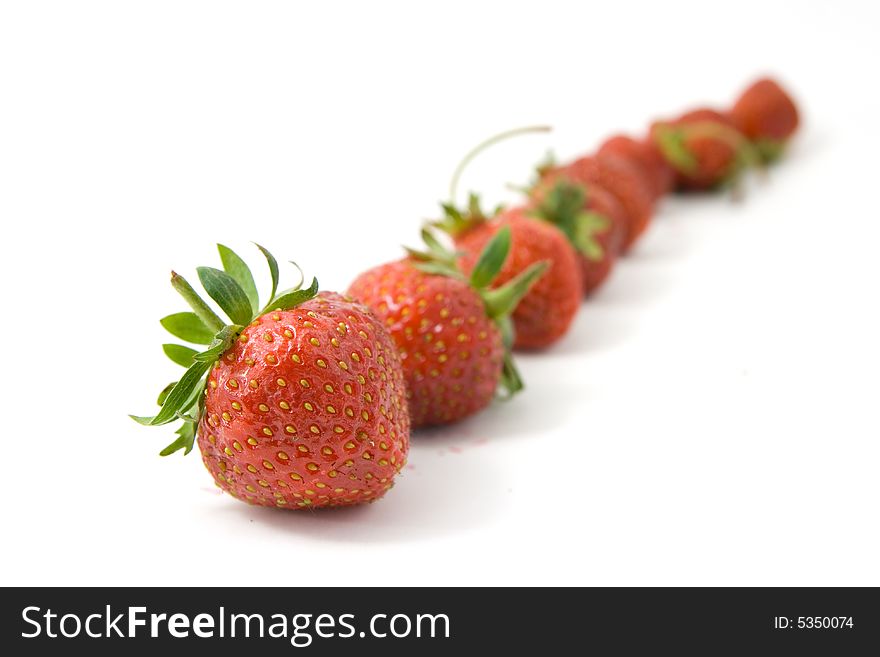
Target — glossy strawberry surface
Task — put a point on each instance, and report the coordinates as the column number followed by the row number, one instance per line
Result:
column 451, row 351
column 307, row 409
column 545, row 314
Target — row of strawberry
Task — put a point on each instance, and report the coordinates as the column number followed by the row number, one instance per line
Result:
column 308, row 400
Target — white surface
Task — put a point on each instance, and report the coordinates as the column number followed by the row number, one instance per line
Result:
column 711, row 419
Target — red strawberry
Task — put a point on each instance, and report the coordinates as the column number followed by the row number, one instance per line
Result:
column 705, row 149
column 701, row 114
column 449, row 331
column 766, row 114
column 546, row 312
column 620, row 177
column 592, row 219
column 305, row 404
column 647, row 157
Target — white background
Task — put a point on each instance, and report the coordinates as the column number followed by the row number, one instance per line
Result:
column 711, row 419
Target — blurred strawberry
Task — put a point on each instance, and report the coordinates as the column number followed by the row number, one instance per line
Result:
column 452, row 331
column 545, row 314
column 622, row 178
column 592, row 219
column 705, row 149
column 644, row 154
column 766, row 114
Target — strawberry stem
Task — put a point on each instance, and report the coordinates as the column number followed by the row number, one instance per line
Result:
column 479, row 148
column 199, row 307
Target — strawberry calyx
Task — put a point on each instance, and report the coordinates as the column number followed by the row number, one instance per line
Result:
column 769, row 150
column 458, row 221
column 672, row 141
column 546, row 165
column 564, row 207
column 234, row 291
column 499, row 302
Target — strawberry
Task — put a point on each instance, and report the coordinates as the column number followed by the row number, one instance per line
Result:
column 766, row 114
column 705, row 149
column 546, row 312
column 592, row 219
column 701, row 114
column 620, row 177
column 645, row 155
column 299, row 404
column 449, row 330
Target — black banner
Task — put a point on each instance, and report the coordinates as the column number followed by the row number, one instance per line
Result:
column 702, row 621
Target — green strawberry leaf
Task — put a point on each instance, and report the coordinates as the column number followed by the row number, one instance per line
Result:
column 508, row 331
column 770, row 150
column 434, row 245
column 587, row 226
column 457, row 222
column 511, row 381
column 451, row 212
column 436, row 252
column 438, row 269
column 415, row 254
column 293, row 298
column 502, row 301
column 187, row 326
column 474, row 207
column 491, row 259
column 222, row 341
column 186, row 436
column 674, row 148
column 191, row 408
column 181, row 355
column 564, row 208
column 453, row 222
column 238, row 269
column 561, row 206
column 194, row 409
column 273, row 269
column 164, row 394
column 223, row 289
column 180, row 396
column 189, row 416
column 302, row 277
